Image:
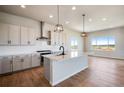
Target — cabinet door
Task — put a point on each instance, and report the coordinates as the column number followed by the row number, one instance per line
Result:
column 32, row 36
column 64, row 39
column 27, row 62
column 0, row 65
column 61, row 39
column 14, row 34
column 4, row 34
column 52, row 38
column 56, row 38
column 6, row 64
column 24, row 35
column 36, row 60
column 17, row 63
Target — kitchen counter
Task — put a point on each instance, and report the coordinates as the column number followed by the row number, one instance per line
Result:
column 68, row 55
column 15, row 53
column 58, row 68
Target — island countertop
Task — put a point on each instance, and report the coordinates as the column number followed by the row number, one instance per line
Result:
column 68, row 55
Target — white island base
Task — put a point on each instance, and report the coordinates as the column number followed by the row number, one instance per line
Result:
column 59, row 68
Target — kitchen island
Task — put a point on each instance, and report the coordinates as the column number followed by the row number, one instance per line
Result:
column 57, row 68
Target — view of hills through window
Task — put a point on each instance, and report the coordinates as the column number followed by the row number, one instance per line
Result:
column 106, row 43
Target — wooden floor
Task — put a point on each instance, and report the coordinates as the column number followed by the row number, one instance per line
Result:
column 102, row 72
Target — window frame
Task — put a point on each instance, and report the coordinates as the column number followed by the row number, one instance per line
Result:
column 108, row 43
column 75, row 44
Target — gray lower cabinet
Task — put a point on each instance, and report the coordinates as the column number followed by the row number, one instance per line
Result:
column 36, row 59
column 21, row 62
column 0, row 65
column 5, row 64
column 26, row 62
column 17, row 63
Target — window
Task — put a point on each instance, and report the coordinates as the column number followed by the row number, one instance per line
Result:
column 103, row 43
column 74, row 44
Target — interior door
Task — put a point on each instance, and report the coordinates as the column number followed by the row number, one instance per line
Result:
column 24, row 35
column 14, row 34
column 4, row 34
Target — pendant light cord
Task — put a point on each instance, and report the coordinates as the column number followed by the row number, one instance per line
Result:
column 58, row 12
column 83, row 21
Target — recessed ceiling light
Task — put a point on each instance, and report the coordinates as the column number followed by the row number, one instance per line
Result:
column 104, row 19
column 67, row 22
column 90, row 19
column 23, row 6
column 50, row 16
column 74, row 8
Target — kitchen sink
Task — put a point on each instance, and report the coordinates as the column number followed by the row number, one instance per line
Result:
column 61, row 54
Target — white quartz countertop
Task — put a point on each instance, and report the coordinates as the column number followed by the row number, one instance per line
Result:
column 68, row 55
column 15, row 53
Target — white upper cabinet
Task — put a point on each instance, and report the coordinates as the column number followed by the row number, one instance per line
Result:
column 61, row 39
column 24, row 35
column 9, row 34
column 14, row 35
column 28, row 36
column 4, row 33
column 58, row 38
column 17, row 35
column 64, row 39
column 32, row 36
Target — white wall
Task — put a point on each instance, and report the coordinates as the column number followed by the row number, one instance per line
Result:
column 118, row 33
column 18, row 20
column 73, row 34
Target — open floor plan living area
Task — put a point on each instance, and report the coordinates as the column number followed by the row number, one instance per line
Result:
column 61, row 46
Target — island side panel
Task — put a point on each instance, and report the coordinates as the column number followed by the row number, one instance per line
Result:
column 62, row 70
column 47, row 71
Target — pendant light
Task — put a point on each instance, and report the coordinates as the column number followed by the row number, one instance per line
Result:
column 83, row 34
column 58, row 26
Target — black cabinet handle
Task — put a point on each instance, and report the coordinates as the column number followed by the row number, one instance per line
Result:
column 22, row 60
column 11, row 61
column 29, row 42
column 10, row 41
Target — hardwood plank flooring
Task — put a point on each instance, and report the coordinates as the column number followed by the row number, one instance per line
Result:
column 102, row 72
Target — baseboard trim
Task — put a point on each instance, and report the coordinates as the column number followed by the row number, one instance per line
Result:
column 107, row 57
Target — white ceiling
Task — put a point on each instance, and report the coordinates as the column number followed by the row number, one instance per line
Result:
column 114, row 15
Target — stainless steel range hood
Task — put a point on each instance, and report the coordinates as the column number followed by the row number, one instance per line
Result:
column 41, row 33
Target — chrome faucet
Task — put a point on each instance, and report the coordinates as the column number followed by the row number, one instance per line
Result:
column 62, row 50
